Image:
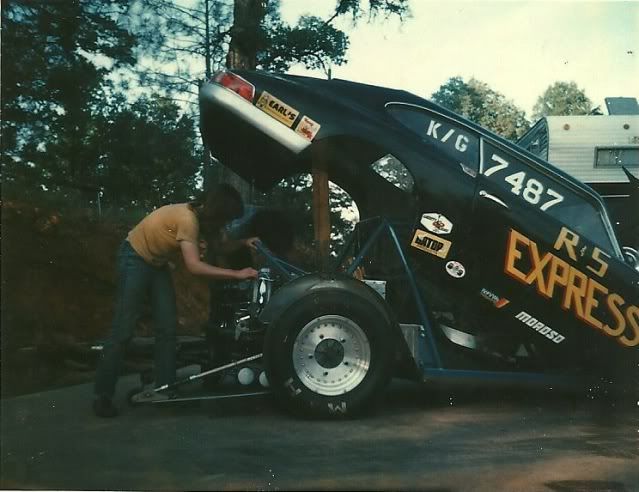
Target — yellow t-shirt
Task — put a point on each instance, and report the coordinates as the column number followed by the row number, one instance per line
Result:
column 157, row 237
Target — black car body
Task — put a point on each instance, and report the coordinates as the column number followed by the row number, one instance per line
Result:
column 516, row 266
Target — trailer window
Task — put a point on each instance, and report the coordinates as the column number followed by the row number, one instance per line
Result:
column 616, row 156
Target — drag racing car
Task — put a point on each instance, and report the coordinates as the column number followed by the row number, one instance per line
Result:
column 482, row 262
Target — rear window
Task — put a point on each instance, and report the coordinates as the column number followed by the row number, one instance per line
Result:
column 451, row 138
column 530, row 184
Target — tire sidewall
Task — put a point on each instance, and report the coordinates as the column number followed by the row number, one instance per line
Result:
column 282, row 334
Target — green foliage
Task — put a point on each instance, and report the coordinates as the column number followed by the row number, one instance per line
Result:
column 375, row 7
column 65, row 129
column 55, row 82
column 476, row 101
column 312, row 42
column 147, row 153
column 561, row 99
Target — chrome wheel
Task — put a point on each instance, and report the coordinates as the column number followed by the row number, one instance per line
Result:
column 331, row 355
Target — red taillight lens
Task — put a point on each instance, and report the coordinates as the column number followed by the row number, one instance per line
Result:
column 235, row 83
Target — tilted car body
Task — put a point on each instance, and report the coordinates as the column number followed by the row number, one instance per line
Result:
column 480, row 261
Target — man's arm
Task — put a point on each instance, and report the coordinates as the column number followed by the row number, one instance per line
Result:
column 191, row 255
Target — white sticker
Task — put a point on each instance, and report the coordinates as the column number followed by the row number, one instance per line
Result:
column 436, row 223
column 307, row 128
column 455, row 269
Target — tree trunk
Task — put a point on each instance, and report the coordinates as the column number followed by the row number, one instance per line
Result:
column 207, row 168
column 242, row 54
column 247, row 19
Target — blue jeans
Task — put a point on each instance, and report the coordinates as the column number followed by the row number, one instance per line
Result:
column 137, row 278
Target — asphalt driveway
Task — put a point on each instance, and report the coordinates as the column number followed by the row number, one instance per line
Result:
column 419, row 439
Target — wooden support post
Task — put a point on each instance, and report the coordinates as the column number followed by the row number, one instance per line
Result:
column 321, row 207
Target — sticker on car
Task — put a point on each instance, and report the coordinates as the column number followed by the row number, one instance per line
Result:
column 276, row 108
column 446, row 133
column 555, row 279
column 494, row 299
column 455, row 269
column 307, row 128
column 540, row 327
column 431, row 244
column 437, row 223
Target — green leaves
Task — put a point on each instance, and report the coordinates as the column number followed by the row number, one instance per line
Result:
column 357, row 9
column 63, row 126
column 312, row 42
column 562, row 98
column 148, row 154
column 55, row 81
column 476, row 101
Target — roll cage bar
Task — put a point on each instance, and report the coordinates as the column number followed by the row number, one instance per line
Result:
column 429, row 361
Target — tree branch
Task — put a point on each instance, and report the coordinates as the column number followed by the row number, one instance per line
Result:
column 338, row 12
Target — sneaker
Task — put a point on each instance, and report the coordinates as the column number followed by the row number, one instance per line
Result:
column 103, row 407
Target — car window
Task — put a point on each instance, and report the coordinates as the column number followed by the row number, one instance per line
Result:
column 451, row 138
column 532, row 185
column 393, row 171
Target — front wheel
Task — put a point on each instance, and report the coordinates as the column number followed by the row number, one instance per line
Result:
column 330, row 353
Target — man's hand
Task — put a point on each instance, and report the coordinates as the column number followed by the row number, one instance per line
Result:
column 246, row 273
column 250, row 242
column 191, row 255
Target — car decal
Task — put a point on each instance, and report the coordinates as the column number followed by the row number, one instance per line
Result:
column 520, row 184
column 494, row 299
column 307, row 128
column 586, row 298
column 433, row 245
column 279, row 110
column 540, row 327
column 443, row 133
column 455, row 269
column 437, row 223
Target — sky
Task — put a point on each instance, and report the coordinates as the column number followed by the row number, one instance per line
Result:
column 519, row 48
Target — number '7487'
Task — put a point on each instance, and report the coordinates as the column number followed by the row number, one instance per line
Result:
column 530, row 189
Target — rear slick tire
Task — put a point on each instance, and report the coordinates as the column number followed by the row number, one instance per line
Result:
column 330, row 354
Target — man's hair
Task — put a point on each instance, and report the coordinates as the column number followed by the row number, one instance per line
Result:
column 223, row 203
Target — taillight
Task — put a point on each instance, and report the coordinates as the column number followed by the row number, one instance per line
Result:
column 235, row 83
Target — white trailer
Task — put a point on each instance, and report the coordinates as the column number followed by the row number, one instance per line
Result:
column 593, row 149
